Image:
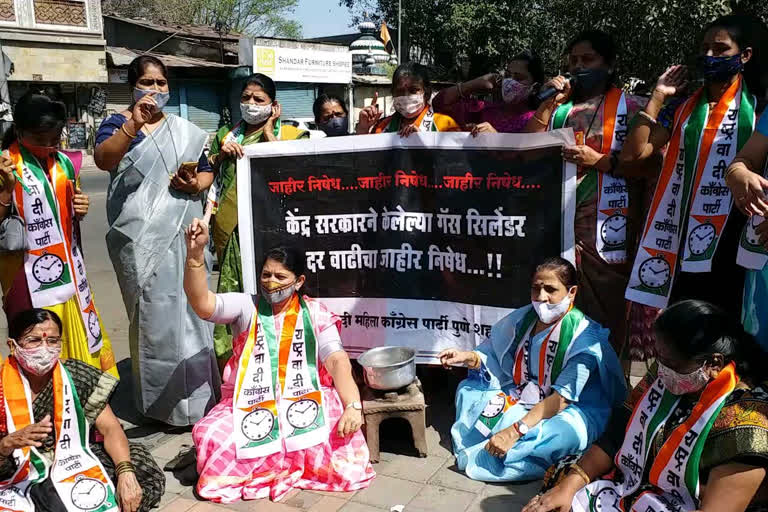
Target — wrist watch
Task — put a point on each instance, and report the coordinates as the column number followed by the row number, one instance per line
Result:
column 521, row 428
column 354, row 405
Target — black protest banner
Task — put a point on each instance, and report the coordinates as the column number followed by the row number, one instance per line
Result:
column 425, row 241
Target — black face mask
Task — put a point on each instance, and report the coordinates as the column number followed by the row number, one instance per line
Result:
column 586, row 80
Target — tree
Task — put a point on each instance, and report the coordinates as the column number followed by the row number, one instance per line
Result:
column 652, row 34
column 254, row 17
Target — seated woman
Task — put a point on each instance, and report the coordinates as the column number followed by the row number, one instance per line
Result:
column 331, row 115
column 693, row 434
column 540, row 388
column 47, row 462
column 290, row 412
column 412, row 90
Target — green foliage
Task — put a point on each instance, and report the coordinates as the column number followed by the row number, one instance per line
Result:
column 652, row 34
column 254, row 17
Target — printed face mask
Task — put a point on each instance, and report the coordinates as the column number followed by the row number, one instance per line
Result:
column 513, row 91
column 278, row 295
column 679, row 384
column 409, row 106
column 37, row 361
column 549, row 313
column 335, row 127
column 255, row 114
column 161, row 98
column 719, row 69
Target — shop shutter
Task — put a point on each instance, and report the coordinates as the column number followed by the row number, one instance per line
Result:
column 173, row 106
column 204, row 105
column 118, row 98
column 296, row 99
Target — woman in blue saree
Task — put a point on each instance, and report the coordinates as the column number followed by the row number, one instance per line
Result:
column 539, row 389
column 158, row 174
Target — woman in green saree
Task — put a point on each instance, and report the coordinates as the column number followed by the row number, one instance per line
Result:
column 260, row 123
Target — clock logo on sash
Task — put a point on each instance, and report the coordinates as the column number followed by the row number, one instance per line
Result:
column 88, row 493
column 614, row 230
column 48, row 268
column 258, row 424
column 606, row 499
column 93, row 324
column 701, row 238
column 303, row 413
column 494, row 407
column 655, row 272
column 750, row 235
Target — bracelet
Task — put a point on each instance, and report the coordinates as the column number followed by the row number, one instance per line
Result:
column 124, row 467
column 122, row 127
column 647, row 116
column 731, row 169
column 477, row 363
column 195, row 266
column 580, row 471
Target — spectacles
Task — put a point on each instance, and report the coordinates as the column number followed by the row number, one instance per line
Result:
column 35, row 342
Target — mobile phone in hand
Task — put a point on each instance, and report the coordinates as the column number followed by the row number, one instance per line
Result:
column 188, row 170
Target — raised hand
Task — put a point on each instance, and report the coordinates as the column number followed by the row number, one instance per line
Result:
column 369, row 116
column 196, row 236
column 672, row 81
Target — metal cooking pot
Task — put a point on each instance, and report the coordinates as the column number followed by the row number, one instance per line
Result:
column 388, row 368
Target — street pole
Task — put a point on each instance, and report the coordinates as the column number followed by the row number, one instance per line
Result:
column 399, row 31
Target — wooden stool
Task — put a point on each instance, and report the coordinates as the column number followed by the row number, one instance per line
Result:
column 407, row 403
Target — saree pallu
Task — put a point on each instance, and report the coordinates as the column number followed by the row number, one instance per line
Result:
column 336, row 465
column 175, row 372
column 224, row 225
column 16, row 298
column 591, row 380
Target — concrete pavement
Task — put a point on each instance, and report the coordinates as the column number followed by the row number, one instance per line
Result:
column 419, row 484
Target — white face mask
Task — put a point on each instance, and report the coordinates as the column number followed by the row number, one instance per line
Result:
column 279, row 295
column 513, row 91
column 680, row 384
column 550, row 313
column 409, row 106
column 255, row 114
column 37, row 361
column 161, row 98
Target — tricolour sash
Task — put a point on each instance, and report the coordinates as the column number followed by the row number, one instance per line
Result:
column 553, row 355
column 277, row 396
column 425, row 121
column 752, row 255
column 691, row 186
column 54, row 262
column 612, row 192
column 675, row 471
column 236, row 134
column 77, row 475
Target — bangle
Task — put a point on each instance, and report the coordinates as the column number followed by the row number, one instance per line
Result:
column 580, row 471
column 647, row 116
column 189, row 265
column 122, row 127
column 540, row 120
column 477, row 361
column 731, row 169
column 124, row 467
column 8, row 204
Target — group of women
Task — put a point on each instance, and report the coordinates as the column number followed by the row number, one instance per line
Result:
column 270, row 390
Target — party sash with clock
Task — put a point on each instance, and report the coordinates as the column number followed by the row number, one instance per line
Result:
column 553, row 356
column 54, row 262
column 278, row 399
column 674, row 473
column 76, row 473
column 691, row 193
column 612, row 192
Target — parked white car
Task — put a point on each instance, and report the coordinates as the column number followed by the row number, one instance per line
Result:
column 307, row 124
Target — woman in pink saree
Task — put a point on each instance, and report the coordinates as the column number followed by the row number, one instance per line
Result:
column 290, row 413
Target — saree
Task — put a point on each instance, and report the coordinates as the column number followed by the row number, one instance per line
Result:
column 737, row 433
column 590, row 378
column 175, row 372
column 224, row 226
column 335, row 465
column 92, row 389
column 43, row 197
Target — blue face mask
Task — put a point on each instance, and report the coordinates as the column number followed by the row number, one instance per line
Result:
column 335, row 127
column 161, row 98
column 719, row 69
